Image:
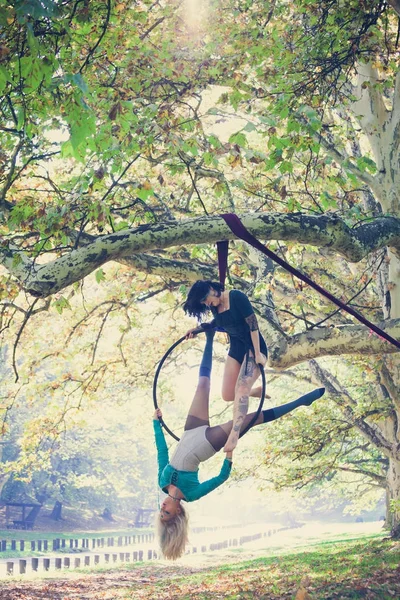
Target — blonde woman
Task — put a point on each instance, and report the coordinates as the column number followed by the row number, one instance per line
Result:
column 178, row 477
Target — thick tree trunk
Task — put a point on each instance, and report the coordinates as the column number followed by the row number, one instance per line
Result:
column 392, row 384
column 56, row 512
column 380, row 122
column 382, row 433
column 107, row 515
column 393, row 508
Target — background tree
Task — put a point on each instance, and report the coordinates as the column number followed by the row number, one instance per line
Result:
column 324, row 458
column 89, row 462
column 286, row 114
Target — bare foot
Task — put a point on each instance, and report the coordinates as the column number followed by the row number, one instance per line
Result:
column 257, row 391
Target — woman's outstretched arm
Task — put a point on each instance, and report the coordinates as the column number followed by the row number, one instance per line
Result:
column 202, row 327
column 211, row 484
column 161, row 444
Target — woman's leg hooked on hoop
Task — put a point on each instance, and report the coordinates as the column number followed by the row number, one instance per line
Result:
column 218, row 435
column 198, row 414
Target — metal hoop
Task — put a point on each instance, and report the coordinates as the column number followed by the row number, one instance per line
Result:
column 155, row 382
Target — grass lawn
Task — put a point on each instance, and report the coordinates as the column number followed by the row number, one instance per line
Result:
column 357, row 569
column 327, row 569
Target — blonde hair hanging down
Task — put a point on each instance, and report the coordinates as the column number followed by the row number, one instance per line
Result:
column 173, row 535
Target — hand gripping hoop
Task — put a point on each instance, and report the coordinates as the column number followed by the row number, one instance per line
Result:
column 155, row 382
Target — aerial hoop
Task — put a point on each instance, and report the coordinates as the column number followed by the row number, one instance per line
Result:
column 155, row 382
column 157, row 373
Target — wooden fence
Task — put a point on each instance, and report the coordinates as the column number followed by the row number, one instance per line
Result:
column 73, row 543
column 22, row 566
column 82, row 543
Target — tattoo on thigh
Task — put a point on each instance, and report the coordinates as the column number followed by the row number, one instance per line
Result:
column 247, row 369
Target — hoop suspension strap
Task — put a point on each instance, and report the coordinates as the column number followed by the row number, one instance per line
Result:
column 222, row 248
column 237, row 227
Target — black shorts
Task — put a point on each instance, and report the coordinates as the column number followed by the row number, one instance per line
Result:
column 237, row 348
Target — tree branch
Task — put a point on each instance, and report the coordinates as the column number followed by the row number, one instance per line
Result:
column 370, row 431
column 329, row 341
column 10, row 174
column 330, row 149
column 175, row 269
column 103, row 32
column 380, row 479
column 323, row 231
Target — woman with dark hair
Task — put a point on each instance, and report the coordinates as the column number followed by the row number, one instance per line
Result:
column 178, row 477
column 233, row 313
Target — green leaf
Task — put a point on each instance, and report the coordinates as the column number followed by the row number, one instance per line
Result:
column 239, row 139
column 293, row 126
column 351, row 177
column 25, row 65
column 284, row 112
column 61, row 304
column 32, row 41
column 214, row 141
column 191, row 147
column 82, row 128
column 100, row 275
column 121, row 225
column 327, row 201
column 4, row 77
column 79, row 81
column 235, row 98
column 17, row 260
column 37, row 9
column 67, row 149
column 143, row 193
column 250, row 127
column 366, row 164
column 286, row 167
column 209, row 159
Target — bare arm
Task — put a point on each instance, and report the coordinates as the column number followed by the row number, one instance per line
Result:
column 202, row 327
column 251, row 321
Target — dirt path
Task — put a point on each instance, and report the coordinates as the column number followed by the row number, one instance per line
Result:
column 105, row 586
